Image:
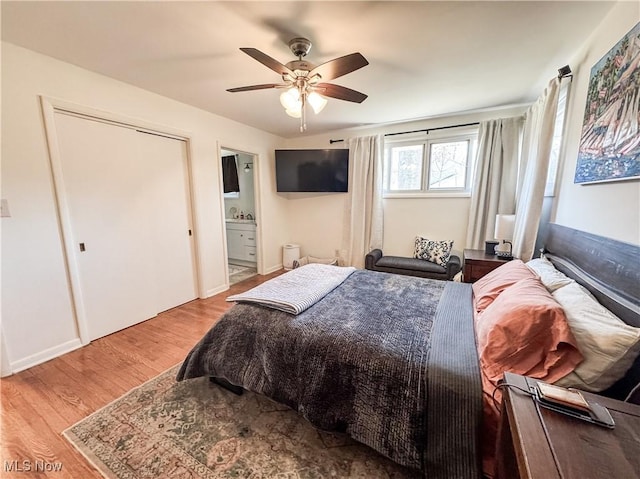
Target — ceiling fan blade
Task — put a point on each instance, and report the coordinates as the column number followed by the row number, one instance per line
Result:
column 264, row 86
column 266, row 60
column 340, row 92
column 340, row 66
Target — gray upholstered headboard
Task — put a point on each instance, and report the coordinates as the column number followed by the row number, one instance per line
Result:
column 610, row 270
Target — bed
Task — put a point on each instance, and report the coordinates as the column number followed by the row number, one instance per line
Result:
column 394, row 360
column 366, row 359
column 579, row 272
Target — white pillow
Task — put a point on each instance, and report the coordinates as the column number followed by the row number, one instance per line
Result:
column 549, row 275
column 609, row 345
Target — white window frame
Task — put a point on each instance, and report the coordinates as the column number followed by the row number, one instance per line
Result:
column 470, row 135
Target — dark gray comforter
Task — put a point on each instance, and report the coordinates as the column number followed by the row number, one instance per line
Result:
column 391, row 360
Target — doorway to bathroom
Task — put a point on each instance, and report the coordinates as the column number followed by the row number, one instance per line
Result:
column 238, row 172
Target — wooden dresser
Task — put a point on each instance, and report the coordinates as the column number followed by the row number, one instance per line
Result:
column 542, row 444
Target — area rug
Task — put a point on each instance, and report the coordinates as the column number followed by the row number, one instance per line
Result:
column 239, row 273
column 235, row 269
column 195, row 429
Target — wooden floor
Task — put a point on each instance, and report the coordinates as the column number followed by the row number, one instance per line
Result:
column 41, row 402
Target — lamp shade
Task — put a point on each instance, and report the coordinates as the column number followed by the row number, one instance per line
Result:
column 504, row 227
column 290, row 99
column 294, row 113
column 317, row 102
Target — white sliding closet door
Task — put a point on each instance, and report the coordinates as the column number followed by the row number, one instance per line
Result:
column 117, row 185
column 172, row 242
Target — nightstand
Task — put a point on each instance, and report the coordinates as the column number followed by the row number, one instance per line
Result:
column 536, row 443
column 477, row 263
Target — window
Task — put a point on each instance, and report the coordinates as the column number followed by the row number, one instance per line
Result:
column 419, row 167
column 405, row 168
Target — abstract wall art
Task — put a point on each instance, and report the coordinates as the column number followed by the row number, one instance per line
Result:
column 610, row 143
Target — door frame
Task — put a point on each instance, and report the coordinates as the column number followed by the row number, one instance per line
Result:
column 49, row 107
column 257, row 205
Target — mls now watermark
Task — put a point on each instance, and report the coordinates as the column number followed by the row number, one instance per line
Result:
column 27, row 465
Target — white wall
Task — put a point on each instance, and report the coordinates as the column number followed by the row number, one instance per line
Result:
column 607, row 209
column 317, row 220
column 37, row 314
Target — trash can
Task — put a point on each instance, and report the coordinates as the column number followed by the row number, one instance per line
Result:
column 290, row 253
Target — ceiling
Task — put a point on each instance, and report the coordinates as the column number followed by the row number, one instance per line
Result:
column 425, row 58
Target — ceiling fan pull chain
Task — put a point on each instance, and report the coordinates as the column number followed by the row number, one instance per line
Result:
column 303, row 117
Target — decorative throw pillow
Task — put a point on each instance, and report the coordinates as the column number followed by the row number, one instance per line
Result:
column 437, row 252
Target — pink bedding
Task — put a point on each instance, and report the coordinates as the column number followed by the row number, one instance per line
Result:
column 487, row 288
column 523, row 330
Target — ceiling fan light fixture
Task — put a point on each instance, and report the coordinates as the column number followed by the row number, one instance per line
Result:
column 294, row 113
column 290, row 99
column 317, row 102
column 301, row 79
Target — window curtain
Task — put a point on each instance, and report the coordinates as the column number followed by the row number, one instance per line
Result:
column 539, row 126
column 230, row 174
column 496, row 177
column 364, row 218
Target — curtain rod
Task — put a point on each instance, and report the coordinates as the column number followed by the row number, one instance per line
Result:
column 426, row 130
column 563, row 72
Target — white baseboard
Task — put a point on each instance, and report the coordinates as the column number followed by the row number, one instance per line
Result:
column 273, row 269
column 218, row 290
column 46, row 355
column 225, row 287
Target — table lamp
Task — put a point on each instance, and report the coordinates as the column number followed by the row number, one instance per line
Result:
column 504, row 233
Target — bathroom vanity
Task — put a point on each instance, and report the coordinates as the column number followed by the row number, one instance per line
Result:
column 241, row 240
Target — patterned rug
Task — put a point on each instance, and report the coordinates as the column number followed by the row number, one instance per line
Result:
column 235, row 268
column 195, row 429
column 239, row 273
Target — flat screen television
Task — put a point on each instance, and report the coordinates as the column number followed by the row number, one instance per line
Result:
column 309, row 171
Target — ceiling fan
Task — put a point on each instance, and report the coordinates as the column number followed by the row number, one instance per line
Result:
column 305, row 82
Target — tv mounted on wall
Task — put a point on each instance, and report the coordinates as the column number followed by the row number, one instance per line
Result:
column 310, row 171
